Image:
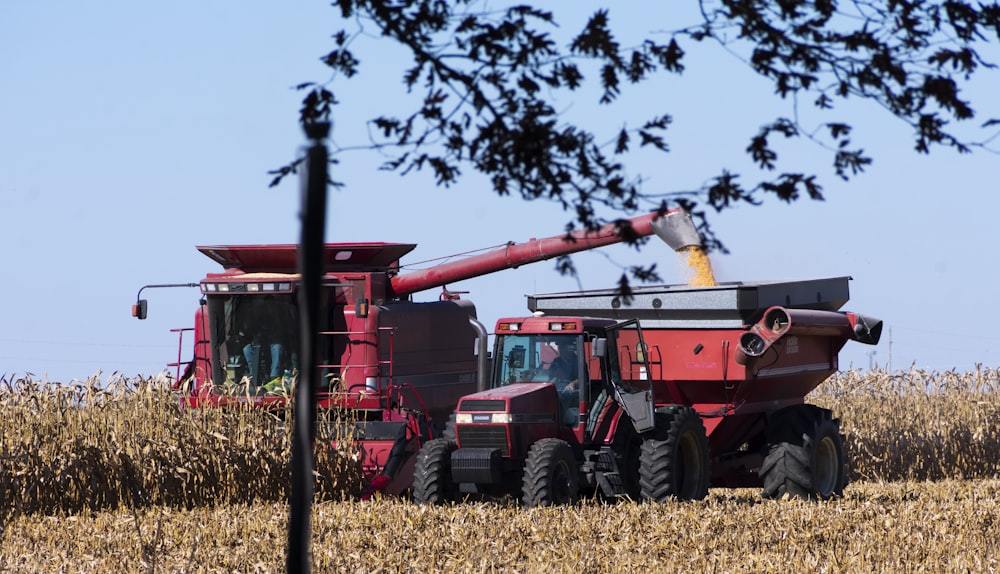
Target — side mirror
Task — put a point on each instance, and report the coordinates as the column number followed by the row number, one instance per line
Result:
column 599, row 348
column 139, row 309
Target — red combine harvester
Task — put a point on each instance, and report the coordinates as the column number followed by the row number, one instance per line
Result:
column 400, row 366
column 695, row 387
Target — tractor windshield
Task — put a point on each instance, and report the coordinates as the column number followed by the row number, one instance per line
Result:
column 254, row 341
column 537, row 358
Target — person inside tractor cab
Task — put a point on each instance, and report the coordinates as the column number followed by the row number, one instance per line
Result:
column 564, row 371
column 267, row 324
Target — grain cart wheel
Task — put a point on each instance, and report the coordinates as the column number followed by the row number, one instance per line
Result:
column 805, row 454
column 550, row 474
column 630, row 472
column 432, row 474
column 674, row 459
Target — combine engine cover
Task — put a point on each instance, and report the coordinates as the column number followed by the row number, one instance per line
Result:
column 427, row 350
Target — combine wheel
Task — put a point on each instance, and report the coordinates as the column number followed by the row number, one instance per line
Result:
column 550, row 474
column 805, row 454
column 674, row 459
column 432, row 474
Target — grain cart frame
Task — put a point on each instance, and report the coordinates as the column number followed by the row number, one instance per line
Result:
column 710, row 391
column 397, row 365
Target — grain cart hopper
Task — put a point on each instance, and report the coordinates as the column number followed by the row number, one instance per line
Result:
column 399, row 365
column 677, row 390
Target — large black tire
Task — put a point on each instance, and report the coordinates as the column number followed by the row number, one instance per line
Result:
column 630, row 463
column 449, row 428
column 674, row 458
column 550, row 474
column 804, row 456
column 432, row 482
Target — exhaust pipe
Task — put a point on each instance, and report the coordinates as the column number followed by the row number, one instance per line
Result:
column 677, row 229
column 483, row 351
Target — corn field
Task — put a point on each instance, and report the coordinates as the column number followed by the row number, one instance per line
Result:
column 917, row 425
column 113, row 476
column 125, row 443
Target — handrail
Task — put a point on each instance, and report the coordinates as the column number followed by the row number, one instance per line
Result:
column 180, row 349
column 378, row 361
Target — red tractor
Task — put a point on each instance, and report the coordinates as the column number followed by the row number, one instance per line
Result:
column 400, row 366
column 697, row 387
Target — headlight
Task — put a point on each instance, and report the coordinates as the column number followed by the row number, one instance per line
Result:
column 484, row 418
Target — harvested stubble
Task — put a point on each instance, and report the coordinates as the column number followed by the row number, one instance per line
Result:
column 878, row 527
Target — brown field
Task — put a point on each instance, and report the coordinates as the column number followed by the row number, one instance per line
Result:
column 110, row 478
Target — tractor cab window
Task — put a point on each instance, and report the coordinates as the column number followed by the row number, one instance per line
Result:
column 544, row 359
column 254, row 340
column 538, row 359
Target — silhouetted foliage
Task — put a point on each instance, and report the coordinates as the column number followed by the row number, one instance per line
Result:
column 488, row 79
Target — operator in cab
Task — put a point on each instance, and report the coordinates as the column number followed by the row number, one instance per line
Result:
column 564, row 371
column 267, row 325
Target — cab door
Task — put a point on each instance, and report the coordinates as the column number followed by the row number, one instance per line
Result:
column 629, row 373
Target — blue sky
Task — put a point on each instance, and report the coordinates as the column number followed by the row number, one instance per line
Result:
column 132, row 132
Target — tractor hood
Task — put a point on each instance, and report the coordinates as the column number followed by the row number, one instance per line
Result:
column 518, row 398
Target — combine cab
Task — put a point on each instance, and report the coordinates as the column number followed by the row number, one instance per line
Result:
column 675, row 391
column 398, row 365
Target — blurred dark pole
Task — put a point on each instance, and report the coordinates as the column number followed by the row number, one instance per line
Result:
column 313, row 215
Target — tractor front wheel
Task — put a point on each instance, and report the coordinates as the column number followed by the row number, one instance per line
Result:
column 550, row 474
column 805, row 454
column 432, row 482
column 674, row 458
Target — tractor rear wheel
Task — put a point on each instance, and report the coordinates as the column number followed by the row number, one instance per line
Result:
column 805, row 454
column 432, row 482
column 674, row 457
column 550, row 474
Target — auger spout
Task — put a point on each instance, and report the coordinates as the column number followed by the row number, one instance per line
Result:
column 676, row 231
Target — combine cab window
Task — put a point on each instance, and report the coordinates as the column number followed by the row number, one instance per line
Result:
column 254, row 340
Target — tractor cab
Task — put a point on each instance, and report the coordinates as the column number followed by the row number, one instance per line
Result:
column 544, row 358
column 572, row 356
